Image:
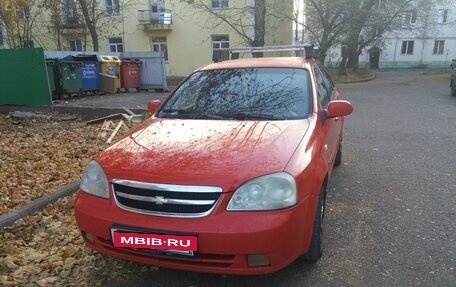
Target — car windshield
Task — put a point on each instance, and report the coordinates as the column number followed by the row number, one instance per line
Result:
column 244, row 94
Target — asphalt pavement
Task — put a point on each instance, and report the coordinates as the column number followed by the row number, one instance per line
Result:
column 131, row 100
column 391, row 206
column 396, row 193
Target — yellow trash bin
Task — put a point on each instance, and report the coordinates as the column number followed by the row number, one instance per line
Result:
column 110, row 65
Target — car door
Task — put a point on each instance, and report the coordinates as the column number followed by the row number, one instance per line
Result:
column 331, row 128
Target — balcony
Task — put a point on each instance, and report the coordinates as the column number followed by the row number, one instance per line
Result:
column 71, row 22
column 150, row 20
column 68, row 24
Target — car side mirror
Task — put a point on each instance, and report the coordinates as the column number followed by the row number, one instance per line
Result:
column 338, row 108
column 153, row 106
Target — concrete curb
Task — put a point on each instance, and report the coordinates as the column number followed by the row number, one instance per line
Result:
column 86, row 113
column 360, row 81
column 37, row 205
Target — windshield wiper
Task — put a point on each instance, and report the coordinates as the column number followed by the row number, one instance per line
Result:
column 248, row 116
column 189, row 114
column 177, row 111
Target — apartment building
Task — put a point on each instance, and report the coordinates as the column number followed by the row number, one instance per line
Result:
column 425, row 39
column 189, row 33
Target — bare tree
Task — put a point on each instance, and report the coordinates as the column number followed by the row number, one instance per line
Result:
column 19, row 22
column 239, row 19
column 356, row 24
column 371, row 20
column 91, row 17
column 65, row 17
column 100, row 21
column 326, row 22
column 323, row 20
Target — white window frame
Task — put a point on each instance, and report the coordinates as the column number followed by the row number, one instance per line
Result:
column 410, row 17
column 77, row 43
column 114, row 42
column 112, row 7
column 220, row 45
column 382, row 4
column 442, row 16
column 70, row 12
column 439, row 47
column 407, row 47
column 220, row 4
column 160, row 44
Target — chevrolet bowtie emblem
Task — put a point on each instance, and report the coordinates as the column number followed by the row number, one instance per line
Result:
column 159, row 200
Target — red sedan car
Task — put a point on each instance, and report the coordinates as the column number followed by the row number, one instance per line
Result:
column 228, row 176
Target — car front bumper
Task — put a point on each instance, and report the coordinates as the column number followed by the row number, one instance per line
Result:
column 225, row 239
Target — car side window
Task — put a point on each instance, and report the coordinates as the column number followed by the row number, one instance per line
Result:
column 323, row 90
column 328, row 82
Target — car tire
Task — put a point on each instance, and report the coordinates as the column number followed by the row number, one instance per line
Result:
column 338, row 159
column 316, row 245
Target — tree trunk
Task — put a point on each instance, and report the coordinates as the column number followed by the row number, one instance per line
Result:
column 353, row 56
column 90, row 24
column 352, row 47
column 259, row 26
column 341, row 70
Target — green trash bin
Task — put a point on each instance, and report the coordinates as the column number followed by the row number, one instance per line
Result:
column 69, row 78
column 50, row 66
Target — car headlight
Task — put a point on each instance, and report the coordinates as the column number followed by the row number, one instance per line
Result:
column 269, row 192
column 94, row 180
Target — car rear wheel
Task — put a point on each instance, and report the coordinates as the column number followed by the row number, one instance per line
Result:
column 316, row 245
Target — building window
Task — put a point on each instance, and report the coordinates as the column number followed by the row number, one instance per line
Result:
column 159, row 45
column 112, row 7
column 439, row 46
column 443, row 15
column 219, row 4
column 410, row 17
column 23, row 12
column 220, row 48
column 75, row 45
column 70, row 16
column 115, row 44
column 407, row 47
column 382, row 4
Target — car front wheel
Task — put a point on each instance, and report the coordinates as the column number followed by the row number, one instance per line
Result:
column 316, row 245
column 338, row 159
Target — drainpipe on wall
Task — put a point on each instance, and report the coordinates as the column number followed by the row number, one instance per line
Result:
column 422, row 51
column 123, row 27
column 395, row 49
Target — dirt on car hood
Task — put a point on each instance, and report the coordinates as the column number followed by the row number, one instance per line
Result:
column 203, row 152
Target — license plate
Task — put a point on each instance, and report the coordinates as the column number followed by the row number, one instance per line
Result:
column 159, row 243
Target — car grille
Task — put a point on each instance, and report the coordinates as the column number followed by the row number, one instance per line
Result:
column 165, row 199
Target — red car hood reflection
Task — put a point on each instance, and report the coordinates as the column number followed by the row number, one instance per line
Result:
column 203, row 152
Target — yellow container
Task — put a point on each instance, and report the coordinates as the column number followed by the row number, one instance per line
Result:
column 110, row 65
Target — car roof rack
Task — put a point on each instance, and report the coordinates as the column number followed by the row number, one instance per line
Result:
column 306, row 50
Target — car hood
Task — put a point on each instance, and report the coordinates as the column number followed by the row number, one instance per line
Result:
column 203, row 152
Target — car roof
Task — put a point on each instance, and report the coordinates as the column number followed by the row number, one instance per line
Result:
column 268, row 62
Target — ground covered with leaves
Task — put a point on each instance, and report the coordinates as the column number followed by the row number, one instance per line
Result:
column 37, row 157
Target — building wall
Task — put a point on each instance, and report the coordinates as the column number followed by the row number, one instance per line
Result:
column 423, row 56
column 189, row 40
